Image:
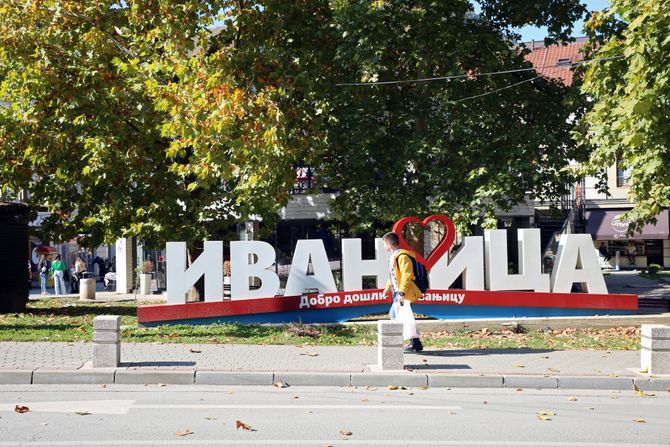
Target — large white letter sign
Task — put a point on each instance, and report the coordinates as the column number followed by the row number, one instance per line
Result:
column 208, row 264
column 354, row 267
column 299, row 280
column 467, row 261
column 530, row 276
column 576, row 262
column 243, row 267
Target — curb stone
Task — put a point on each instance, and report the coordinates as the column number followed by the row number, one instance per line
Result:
column 16, row 376
column 596, row 383
column 530, row 382
column 464, row 381
column 44, row 376
column 652, row 383
column 378, row 379
column 310, row 379
column 139, row 377
column 233, row 378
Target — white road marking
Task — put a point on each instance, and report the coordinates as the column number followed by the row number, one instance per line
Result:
column 296, row 407
column 84, row 406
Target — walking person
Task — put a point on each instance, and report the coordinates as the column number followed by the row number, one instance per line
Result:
column 58, row 269
column 43, row 268
column 402, row 287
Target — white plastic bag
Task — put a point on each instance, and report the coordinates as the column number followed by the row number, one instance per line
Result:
column 405, row 315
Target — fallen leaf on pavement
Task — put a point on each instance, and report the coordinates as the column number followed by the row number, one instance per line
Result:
column 345, row 433
column 572, row 398
column 641, row 393
column 211, row 418
column 519, row 389
column 519, row 366
column 612, row 375
column 311, row 354
column 640, row 420
column 194, row 351
column 668, row 389
column 296, row 397
column 184, row 433
column 392, row 387
column 280, row 384
column 82, row 413
column 544, row 415
column 239, row 424
column 555, row 370
column 21, row 409
column 644, row 371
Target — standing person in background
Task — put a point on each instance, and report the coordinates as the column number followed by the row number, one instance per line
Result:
column 58, row 269
column 77, row 270
column 43, row 269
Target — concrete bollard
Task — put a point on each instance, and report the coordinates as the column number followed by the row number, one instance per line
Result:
column 390, row 355
column 87, row 289
column 655, row 352
column 106, row 341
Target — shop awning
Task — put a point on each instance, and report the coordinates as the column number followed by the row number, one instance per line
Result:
column 608, row 225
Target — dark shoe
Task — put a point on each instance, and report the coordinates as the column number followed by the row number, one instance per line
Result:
column 415, row 346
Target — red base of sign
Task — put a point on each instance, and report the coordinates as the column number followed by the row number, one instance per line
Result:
column 581, row 303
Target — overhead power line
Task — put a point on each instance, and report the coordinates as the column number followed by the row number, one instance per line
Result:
column 472, row 75
column 497, row 90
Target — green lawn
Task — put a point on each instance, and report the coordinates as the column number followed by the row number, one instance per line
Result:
column 69, row 320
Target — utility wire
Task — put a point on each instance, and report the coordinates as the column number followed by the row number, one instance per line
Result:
column 476, row 75
column 497, row 90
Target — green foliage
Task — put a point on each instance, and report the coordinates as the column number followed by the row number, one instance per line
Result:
column 416, row 148
column 117, row 124
column 628, row 122
column 135, row 118
column 653, row 268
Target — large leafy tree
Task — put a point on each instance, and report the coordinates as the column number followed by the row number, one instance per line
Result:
column 117, row 121
column 628, row 121
column 427, row 146
column 136, row 118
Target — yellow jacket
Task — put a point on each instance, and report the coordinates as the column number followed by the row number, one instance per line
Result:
column 404, row 273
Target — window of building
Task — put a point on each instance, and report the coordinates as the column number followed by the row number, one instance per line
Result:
column 622, row 176
column 564, row 61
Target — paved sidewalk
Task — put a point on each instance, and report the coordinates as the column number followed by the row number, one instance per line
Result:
column 148, row 363
column 23, row 355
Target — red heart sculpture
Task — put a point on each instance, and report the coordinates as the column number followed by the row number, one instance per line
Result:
column 442, row 247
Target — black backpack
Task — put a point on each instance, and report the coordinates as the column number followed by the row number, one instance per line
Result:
column 420, row 274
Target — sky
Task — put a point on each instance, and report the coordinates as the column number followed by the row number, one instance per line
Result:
column 534, row 33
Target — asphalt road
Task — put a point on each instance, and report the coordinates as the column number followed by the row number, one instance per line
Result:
column 118, row 415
